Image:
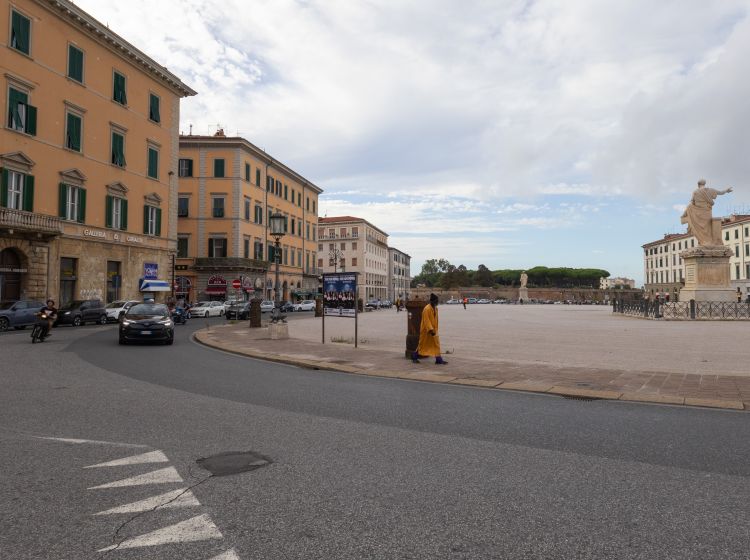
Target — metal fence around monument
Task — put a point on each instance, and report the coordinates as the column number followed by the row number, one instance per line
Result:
column 685, row 310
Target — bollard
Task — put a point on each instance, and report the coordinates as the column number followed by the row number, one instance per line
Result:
column 692, row 309
column 413, row 322
column 360, row 305
column 318, row 307
column 255, row 314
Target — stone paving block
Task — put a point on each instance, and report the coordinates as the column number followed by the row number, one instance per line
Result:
column 526, row 386
column 476, row 382
column 576, row 392
column 715, row 403
column 653, row 398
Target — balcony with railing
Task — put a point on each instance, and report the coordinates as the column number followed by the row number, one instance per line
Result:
column 229, row 263
column 22, row 221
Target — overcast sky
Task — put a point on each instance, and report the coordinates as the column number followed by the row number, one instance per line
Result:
column 507, row 133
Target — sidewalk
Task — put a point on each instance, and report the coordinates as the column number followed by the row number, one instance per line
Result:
column 718, row 391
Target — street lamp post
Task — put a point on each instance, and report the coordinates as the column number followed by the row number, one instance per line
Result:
column 277, row 225
column 334, row 257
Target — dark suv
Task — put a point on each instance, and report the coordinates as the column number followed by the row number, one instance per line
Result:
column 80, row 312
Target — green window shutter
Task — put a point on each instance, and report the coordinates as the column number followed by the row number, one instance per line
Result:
column 119, row 94
column 190, row 168
column 210, row 247
column 28, row 194
column 257, row 177
column 158, row 221
column 145, row 219
column 124, row 215
column 153, row 163
column 4, row 188
column 15, row 98
column 81, row 205
column 73, row 140
column 118, row 149
column 247, row 172
column 108, row 211
column 218, row 168
column 75, row 64
column 62, row 201
column 153, row 108
column 20, row 32
column 30, row 127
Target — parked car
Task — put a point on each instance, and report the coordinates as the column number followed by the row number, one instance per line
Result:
column 483, row 301
column 453, row 301
column 117, row 309
column 207, row 309
column 287, row 307
column 80, row 312
column 238, row 310
column 150, row 322
column 305, row 305
column 18, row 314
column 500, row 300
column 373, row 303
column 472, row 300
column 266, row 305
column 386, row 304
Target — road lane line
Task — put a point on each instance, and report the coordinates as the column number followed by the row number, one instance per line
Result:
column 150, row 457
column 228, row 555
column 161, row 476
column 199, row 528
column 93, row 441
column 174, row 499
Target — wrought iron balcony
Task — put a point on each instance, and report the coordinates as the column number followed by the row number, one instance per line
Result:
column 19, row 220
column 229, row 263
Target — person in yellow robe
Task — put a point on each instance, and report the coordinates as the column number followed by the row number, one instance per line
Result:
column 429, row 340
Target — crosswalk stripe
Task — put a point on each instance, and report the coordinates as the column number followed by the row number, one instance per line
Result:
column 175, row 499
column 161, row 476
column 228, row 555
column 92, row 441
column 199, row 528
column 150, row 457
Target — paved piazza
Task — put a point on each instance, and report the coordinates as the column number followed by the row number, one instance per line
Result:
column 566, row 336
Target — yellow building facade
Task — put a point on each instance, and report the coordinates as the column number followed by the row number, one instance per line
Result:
column 88, row 158
column 228, row 189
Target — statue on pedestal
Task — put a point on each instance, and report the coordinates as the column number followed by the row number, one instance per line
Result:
column 698, row 215
column 524, row 279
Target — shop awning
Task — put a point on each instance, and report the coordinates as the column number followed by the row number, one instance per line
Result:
column 155, row 286
column 216, row 290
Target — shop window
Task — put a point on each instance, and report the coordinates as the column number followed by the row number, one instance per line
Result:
column 68, row 279
column 114, row 281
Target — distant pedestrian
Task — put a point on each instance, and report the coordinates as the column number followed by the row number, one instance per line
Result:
column 465, row 301
column 429, row 339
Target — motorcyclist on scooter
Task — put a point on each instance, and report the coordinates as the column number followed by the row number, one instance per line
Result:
column 50, row 311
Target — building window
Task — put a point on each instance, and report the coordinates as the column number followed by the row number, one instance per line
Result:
column 343, row 246
column 293, row 197
column 182, row 247
column 68, row 277
column 217, row 207
column 151, row 220
column 299, row 200
column 726, row 236
column 72, row 203
column 258, row 214
column 153, row 163
column 286, row 192
column 153, row 108
column 747, row 249
column 354, row 246
column 278, row 188
column 258, row 250
column 183, row 207
column 17, row 191
column 247, row 172
column 217, row 247
column 73, row 125
column 21, row 115
column 118, row 89
column 75, row 64
column 248, row 204
column 257, row 176
column 314, row 207
column 269, row 183
column 20, row 32
column 246, row 248
column 355, row 232
column 219, row 167
column 736, row 272
column 114, row 281
column 320, row 263
column 736, row 250
column 185, row 168
column 118, row 149
column 307, row 203
column 736, row 233
column 115, row 213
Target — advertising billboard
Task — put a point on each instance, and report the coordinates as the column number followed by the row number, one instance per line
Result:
column 340, row 295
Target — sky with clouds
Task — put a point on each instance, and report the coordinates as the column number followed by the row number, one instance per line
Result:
column 506, row 133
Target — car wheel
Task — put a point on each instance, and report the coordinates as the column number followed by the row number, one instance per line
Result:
column 77, row 321
column 206, row 315
column 123, row 341
column 169, row 342
column 4, row 323
column 103, row 320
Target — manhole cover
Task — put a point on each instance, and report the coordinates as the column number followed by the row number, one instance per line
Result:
column 233, row 462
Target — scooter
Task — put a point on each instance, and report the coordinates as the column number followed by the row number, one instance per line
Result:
column 41, row 328
column 179, row 316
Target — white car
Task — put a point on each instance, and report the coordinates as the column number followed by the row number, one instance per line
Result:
column 453, row 301
column 266, row 305
column 117, row 309
column 306, row 305
column 207, row 309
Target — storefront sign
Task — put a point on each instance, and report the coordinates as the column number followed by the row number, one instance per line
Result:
column 340, row 295
column 150, row 271
column 94, row 233
column 9, row 269
column 216, row 285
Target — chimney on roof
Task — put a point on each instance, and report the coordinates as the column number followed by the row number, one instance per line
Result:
column 220, row 133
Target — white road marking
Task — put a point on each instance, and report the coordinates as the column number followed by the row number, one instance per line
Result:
column 161, row 476
column 198, row 528
column 175, row 499
column 150, row 457
column 228, row 555
column 93, row 441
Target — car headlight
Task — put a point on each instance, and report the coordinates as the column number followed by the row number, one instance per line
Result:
column 125, row 322
column 66, row 313
column 167, row 322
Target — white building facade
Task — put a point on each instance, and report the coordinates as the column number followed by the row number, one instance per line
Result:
column 351, row 244
column 399, row 274
column 618, row 282
column 664, row 270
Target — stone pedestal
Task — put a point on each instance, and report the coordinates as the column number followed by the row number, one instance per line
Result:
column 523, row 295
column 414, row 309
column 278, row 331
column 707, row 274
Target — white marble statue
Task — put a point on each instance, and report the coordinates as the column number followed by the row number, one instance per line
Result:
column 524, row 279
column 698, row 215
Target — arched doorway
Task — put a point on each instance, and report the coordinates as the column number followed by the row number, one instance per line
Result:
column 10, row 275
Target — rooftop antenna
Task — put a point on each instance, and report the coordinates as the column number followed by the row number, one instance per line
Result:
column 191, row 129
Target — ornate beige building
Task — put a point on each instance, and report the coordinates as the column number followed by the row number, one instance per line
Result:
column 88, row 151
column 399, row 274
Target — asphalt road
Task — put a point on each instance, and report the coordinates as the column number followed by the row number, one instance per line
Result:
column 362, row 467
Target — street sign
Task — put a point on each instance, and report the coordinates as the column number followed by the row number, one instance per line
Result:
column 236, row 284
